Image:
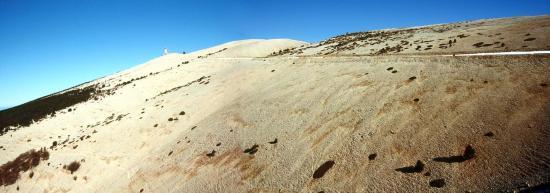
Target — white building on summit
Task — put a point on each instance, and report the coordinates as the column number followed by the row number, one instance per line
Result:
column 165, row 51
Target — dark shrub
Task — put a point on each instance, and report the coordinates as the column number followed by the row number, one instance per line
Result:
column 73, row 166
column 9, row 172
column 25, row 114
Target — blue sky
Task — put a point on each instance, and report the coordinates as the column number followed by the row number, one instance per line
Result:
column 47, row 46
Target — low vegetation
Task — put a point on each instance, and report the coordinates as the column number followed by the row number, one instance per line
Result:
column 10, row 171
column 36, row 110
column 72, row 167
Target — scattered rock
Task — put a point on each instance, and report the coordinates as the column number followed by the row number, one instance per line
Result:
column 170, row 119
column 372, row 156
column 543, row 84
column 489, row 134
column 273, row 142
column 272, row 70
column 529, row 39
column 211, row 154
column 416, row 100
column 218, row 144
column 437, row 183
column 320, row 172
column 156, row 125
column 469, row 153
column 182, row 113
column 193, row 127
column 394, row 71
column 170, row 153
column 141, row 190
column 417, row 168
column 31, row 174
column 252, row 150
column 389, row 69
column 412, row 78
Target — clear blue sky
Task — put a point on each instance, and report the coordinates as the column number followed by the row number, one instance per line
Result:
column 47, row 46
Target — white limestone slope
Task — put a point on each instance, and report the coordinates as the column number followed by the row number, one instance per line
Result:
column 230, row 119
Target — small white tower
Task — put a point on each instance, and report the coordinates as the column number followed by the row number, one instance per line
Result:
column 165, row 51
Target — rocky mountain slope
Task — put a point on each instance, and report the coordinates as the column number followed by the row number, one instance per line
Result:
column 349, row 114
column 492, row 35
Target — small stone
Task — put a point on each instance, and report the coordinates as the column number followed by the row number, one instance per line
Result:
column 437, row 183
column 372, row 156
column 469, row 153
